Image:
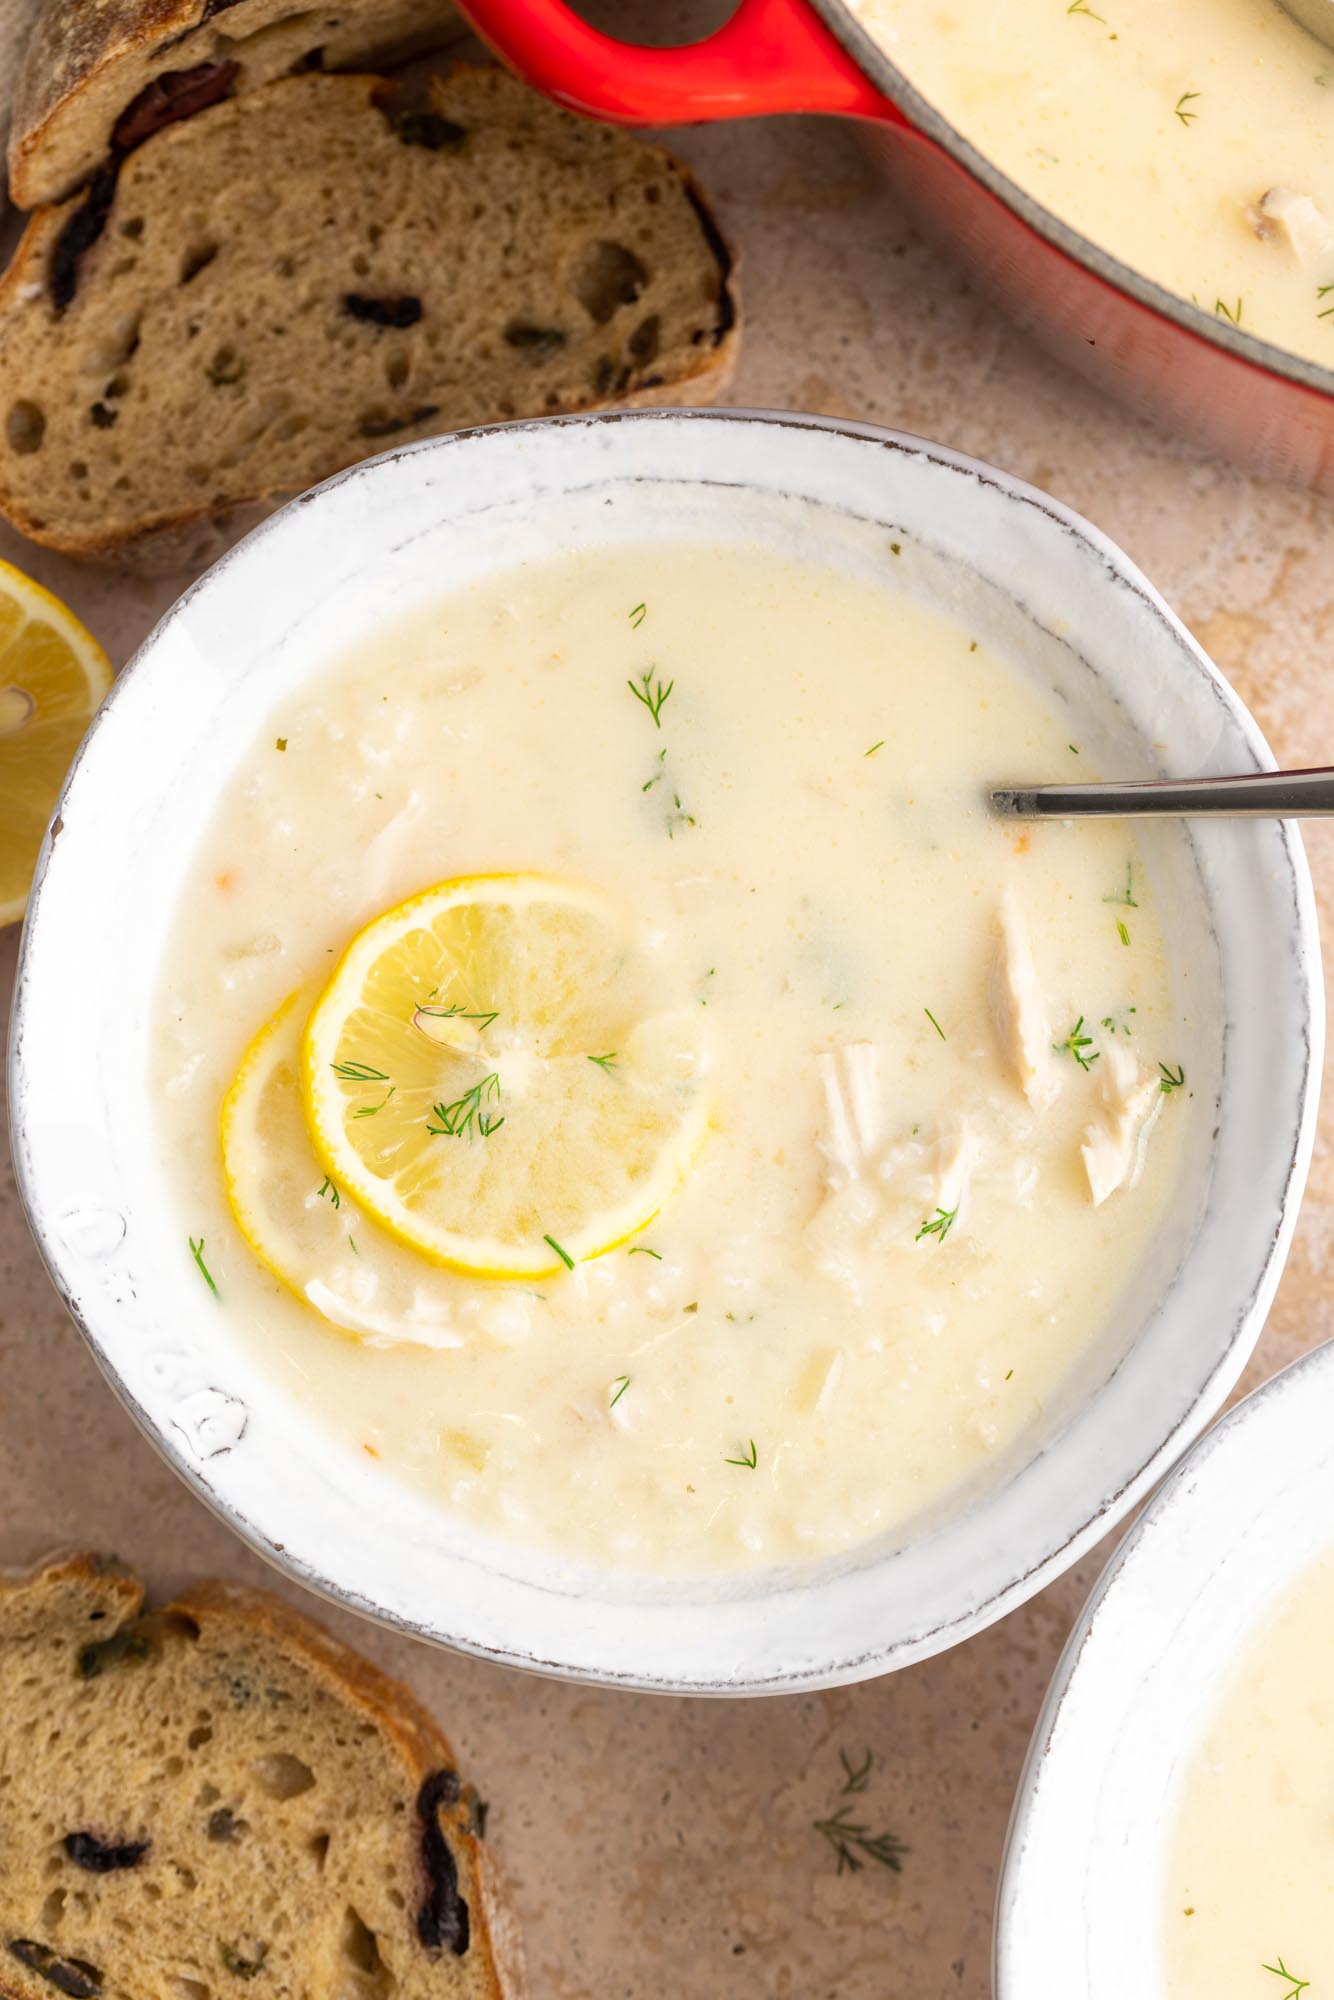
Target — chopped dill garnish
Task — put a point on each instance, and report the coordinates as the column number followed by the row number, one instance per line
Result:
column 659, row 774
column 678, row 817
column 712, row 973
column 620, row 1385
column 466, row 1114
column 874, row 747
column 1186, row 97
column 1115, row 1027
column 564, row 1255
column 1082, row 7
column 642, row 1250
column 737, row 1319
column 1170, row 1079
column 1075, row 1044
column 353, row 1241
column 605, row 1062
column 750, row 1462
column 1125, row 897
column 197, row 1252
column 355, row 1072
column 855, row 1844
column 482, row 1019
column 638, row 615
column 1008, row 1373
column 1296, row 1986
column 935, row 1024
column 1122, row 932
column 653, row 698
column 938, row 1225
column 1073, row 748
column 896, row 548
column 856, row 1776
column 280, row 743
column 369, row 1110
column 332, row 1192
column 1227, row 312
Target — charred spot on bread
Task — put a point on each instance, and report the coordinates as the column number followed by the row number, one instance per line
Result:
column 399, row 312
column 378, row 423
column 722, row 257
column 177, row 94
column 442, row 1918
column 74, row 1976
column 103, row 1857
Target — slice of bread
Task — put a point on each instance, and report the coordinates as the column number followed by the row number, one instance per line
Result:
column 101, row 75
column 216, row 1798
column 291, row 280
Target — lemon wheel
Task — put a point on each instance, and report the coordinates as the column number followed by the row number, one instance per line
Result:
column 496, row 1072
column 299, row 1223
column 53, row 674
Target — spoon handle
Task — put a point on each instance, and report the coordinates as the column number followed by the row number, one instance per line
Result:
column 1255, row 795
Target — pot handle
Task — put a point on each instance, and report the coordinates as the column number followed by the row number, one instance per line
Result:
column 772, row 55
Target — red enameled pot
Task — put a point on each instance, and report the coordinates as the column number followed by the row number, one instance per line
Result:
column 1163, row 357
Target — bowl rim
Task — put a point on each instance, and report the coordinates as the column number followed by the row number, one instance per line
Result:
column 894, row 85
column 1207, row 1396
column 1151, row 1547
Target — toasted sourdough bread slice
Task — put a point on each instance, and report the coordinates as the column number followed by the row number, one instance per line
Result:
column 217, row 1798
column 291, row 279
column 101, row 75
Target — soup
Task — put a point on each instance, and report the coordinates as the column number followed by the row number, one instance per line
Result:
column 1193, row 142
column 665, row 1117
column 1250, row 1905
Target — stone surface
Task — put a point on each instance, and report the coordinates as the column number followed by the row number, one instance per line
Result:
column 665, row 1847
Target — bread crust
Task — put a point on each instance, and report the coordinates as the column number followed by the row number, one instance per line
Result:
column 268, row 1622
column 170, row 539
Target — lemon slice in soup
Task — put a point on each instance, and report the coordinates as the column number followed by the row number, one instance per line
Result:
column 299, row 1223
column 53, row 674
column 504, row 1077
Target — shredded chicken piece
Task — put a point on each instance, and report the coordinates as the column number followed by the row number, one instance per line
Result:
column 1113, row 1144
column 957, row 1154
column 1019, row 1009
column 419, row 1328
column 1284, row 216
column 850, row 1078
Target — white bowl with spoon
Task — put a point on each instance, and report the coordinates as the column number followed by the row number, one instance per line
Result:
column 1041, row 585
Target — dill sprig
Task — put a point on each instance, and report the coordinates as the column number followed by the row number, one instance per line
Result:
column 1296, row 1986
column 1125, row 897
column 1122, row 932
column 1186, row 97
column 332, row 1192
column 1227, row 312
column 1075, row 1044
column 1082, row 7
column 620, row 1385
column 197, row 1252
column 357, row 1072
column 1322, row 291
column 938, row 1225
column 653, row 699
column 935, row 1024
column 642, row 1250
column 369, row 1110
column 605, row 1062
column 638, row 615
column 874, row 747
column 564, row 1255
column 467, row 1115
column 1170, row 1079
column 750, row 1462
column 482, row 1018
column 856, row 1777
column 855, row 1844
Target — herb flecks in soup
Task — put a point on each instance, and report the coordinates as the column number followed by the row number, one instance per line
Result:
column 654, row 1125
column 1250, row 1907
column 1193, row 141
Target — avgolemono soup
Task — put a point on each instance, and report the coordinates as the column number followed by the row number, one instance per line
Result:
column 616, row 1071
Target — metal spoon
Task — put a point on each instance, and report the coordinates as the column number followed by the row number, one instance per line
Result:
column 1255, row 795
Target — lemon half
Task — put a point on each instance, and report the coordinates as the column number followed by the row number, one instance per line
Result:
column 496, row 1072
column 53, row 674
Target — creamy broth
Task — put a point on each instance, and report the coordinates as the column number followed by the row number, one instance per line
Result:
column 922, row 1187
column 1193, row 141
column 1250, row 1900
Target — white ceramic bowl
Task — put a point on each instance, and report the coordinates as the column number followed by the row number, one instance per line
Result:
column 422, row 521
column 1248, row 1511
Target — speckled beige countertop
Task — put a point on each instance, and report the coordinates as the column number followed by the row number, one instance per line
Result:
column 664, row 1849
